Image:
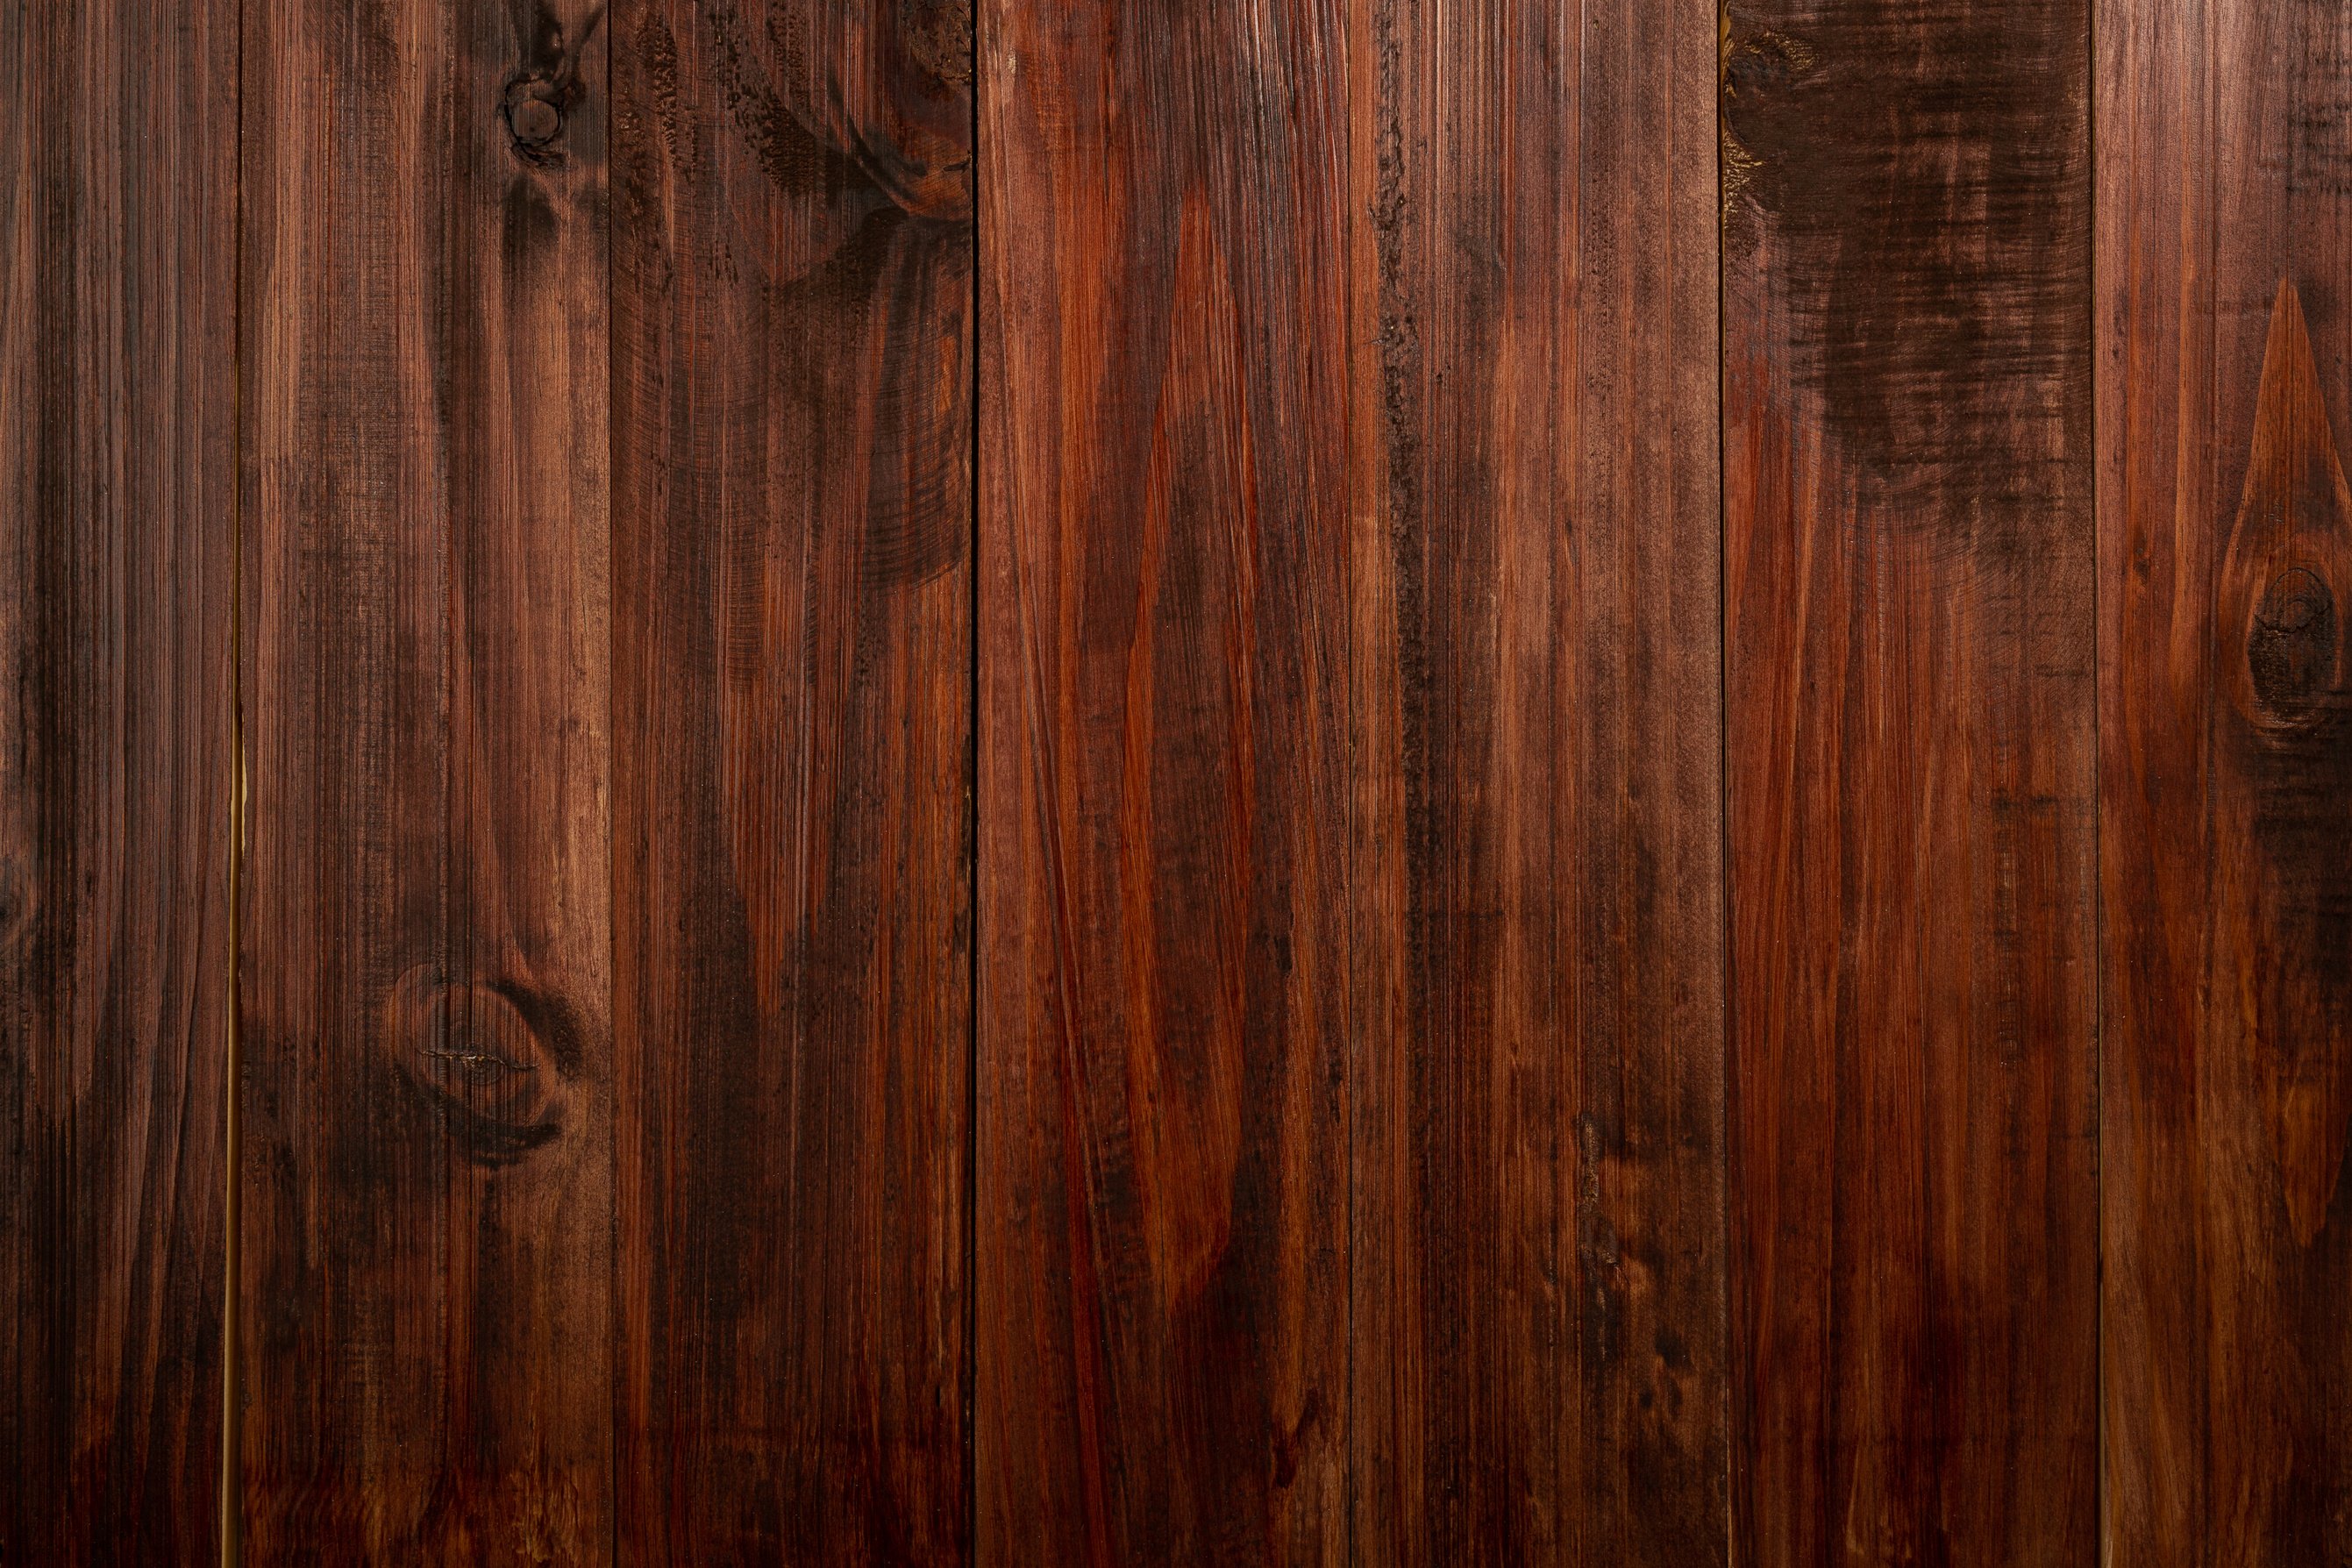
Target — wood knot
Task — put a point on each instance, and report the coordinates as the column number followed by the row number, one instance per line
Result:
column 492, row 1060
column 2291, row 646
column 534, row 115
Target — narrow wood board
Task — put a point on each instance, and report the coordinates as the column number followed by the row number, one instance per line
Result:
column 792, row 319
column 117, row 347
column 1536, row 1071
column 1910, row 691
column 2225, row 530
column 427, row 1093
column 1161, row 1355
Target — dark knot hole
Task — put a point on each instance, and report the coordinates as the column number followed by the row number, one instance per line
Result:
column 492, row 1059
column 2291, row 648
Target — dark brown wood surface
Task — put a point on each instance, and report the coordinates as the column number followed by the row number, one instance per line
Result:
column 2225, row 566
column 117, row 359
column 793, row 316
column 1536, row 1067
column 427, row 1087
column 1161, row 1198
column 1330, row 780
column 1910, row 690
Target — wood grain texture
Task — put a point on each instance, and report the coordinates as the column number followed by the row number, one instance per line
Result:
column 1910, row 698
column 1537, row 1070
column 793, row 341
column 2225, row 209
column 117, row 347
column 1161, row 1369
column 2162, row 525
column 425, row 947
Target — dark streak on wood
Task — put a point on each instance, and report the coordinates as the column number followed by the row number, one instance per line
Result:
column 1908, row 594
column 1862, row 130
column 793, row 457
column 117, row 204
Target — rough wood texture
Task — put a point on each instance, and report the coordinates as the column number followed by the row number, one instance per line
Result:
column 1537, row 1068
column 1909, row 693
column 1533, row 856
column 1512, row 645
column 2161, row 529
column 2225, row 566
column 117, row 347
column 1162, row 1189
column 792, row 333
column 427, row 1090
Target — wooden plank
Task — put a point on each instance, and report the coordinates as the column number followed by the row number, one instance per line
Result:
column 2159, row 525
column 793, row 332
column 1161, row 1368
column 117, row 339
column 1910, row 696
column 1536, row 1077
column 427, row 1088
column 2225, row 563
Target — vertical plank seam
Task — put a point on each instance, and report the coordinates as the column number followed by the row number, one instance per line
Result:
column 2206, row 457
column 1734, row 1334
column 2098, row 809
column 1566, row 1218
column 232, row 1487
column 616, row 1284
column 1358, row 26
column 970, row 1327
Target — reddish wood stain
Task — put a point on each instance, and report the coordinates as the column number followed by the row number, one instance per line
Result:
column 1311, row 781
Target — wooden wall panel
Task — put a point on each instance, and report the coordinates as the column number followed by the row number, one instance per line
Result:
column 2225, row 226
column 117, row 349
column 1515, row 642
column 1910, row 699
column 792, row 340
column 426, row 1069
column 1162, row 1189
column 1537, row 1058
column 1591, row 899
